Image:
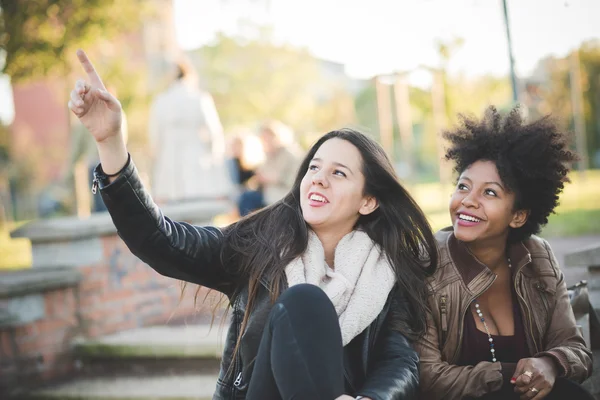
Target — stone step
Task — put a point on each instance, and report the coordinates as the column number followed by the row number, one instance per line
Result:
column 153, row 351
column 174, row 387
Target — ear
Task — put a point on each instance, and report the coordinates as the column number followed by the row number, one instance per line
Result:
column 519, row 218
column 369, row 205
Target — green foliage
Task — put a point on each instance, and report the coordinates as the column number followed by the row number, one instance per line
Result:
column 253, row 80
column 556, row 94
column 39, row 37
column 462, row 95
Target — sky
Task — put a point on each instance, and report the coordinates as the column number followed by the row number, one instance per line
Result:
column 381, row 36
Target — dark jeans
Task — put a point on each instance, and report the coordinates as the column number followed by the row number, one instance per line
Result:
column 300, row 354
column 563, row 389
column 249, row 201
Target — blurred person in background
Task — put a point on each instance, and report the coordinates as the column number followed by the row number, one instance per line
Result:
column 275, row 176
column 237, row 163
column 187, row 143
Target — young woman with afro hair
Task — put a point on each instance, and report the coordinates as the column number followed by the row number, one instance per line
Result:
column 500, row 323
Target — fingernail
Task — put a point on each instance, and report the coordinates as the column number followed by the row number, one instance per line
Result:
column 513, row 380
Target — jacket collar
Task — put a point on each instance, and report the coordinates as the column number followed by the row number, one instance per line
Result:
column 469, row 267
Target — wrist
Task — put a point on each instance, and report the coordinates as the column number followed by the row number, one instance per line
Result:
column 113, row 154
column 111, row 140
column 552, row 364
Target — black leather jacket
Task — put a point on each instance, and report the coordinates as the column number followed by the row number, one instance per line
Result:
column 380, row 363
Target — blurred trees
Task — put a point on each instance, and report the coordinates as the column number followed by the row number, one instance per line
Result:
column 552, row 90
column 461, row 95
column 39, row 37
column 256, row 79
column 38, row 40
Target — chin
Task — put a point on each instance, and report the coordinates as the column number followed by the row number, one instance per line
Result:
column 463, row 236
column 313, row 221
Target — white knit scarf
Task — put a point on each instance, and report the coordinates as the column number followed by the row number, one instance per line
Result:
column 359, row 286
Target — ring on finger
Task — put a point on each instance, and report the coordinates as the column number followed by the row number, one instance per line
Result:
column 534, row 390
column 529, row 374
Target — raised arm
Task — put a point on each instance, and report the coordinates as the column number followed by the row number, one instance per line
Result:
column 177, row 250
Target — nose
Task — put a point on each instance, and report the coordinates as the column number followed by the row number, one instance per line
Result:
column 470, row 200
column 320, row 179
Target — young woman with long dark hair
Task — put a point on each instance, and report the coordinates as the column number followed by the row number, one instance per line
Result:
column 327, row 286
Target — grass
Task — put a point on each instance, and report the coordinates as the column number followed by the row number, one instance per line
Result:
column 578, row 214
column 14, row 253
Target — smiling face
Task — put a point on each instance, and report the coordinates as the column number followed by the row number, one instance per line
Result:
column 332, row 190
column 482, row 207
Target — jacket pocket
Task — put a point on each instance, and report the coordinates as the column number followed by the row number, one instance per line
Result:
column 443, row 306
column 544, row 296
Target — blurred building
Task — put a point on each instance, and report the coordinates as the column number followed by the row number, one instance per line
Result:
column 41, row 125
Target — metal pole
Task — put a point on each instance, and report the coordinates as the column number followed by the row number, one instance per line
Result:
column 577, row 108
column 384, row 116
column 438, row 98
column 404, row 119
column 513, row 76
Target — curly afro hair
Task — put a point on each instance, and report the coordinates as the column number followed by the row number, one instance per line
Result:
column 532, row 159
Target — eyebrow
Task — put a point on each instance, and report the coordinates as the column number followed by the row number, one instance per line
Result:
column 486, row 183
column 495, row 183
column 335, row 163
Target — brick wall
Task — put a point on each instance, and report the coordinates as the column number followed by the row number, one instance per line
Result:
column 122, row 292
column 39, row 350
column 117, row 293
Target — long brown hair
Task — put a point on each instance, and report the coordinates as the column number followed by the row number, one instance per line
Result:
column 261, row 245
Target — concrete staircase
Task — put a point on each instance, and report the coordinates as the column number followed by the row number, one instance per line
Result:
column 154, row 363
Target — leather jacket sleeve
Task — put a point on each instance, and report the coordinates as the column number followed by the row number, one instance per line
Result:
column 563, row 341
column 394, row 370
column 441, row 380
column 174, row 249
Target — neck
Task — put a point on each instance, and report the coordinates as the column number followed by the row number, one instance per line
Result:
column 329, row 241
column 493, row 255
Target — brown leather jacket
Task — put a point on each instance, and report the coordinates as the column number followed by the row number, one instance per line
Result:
column 547, row 316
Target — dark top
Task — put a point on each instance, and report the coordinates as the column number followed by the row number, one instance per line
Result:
column 242, row 174
column 509, row 349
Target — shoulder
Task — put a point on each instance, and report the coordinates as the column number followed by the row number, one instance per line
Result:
column 442, row 238
column 543, row 260
column 445, row 272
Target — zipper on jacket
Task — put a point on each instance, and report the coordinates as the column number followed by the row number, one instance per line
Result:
column 95, row 184
column 529, row 316
column 444, row 316
column 237, row 361
column 238, row 380
column 462, row 317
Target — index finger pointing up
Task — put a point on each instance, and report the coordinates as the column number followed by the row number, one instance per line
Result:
column 95, row 79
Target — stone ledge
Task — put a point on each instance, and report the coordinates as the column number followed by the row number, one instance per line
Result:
column 193, row 341
column 103, row 350
column 100, row 224
column 7, row 319
column 586, row 257
column 23, row 282
column 178, row 387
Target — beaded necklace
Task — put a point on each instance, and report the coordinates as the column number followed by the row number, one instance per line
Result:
column 480, row 315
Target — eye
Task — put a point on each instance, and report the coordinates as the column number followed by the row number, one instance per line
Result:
column 339, row 173
column 312, row 167
column 461, row 186
column 491, row 192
